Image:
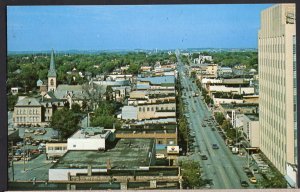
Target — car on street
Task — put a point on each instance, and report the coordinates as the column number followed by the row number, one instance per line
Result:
column 208, row 181
column 204, row 157
column 244, row 183
column 254, row 171
column 253, row 180
column 215, row 146
column 207, row 186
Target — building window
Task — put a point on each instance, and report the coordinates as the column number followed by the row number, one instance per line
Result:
column 74, row 146
column 51, row 82
column 50, row 148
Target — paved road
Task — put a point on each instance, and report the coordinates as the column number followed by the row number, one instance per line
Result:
column 224, row 168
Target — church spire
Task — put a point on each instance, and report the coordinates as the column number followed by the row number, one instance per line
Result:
column 52, row 74
column 52, row 71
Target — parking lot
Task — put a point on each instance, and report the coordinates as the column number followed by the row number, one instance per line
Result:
column 28, row 154
column 36, row 168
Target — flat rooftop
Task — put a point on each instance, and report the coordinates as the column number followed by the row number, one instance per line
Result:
column 238, row 105
column 91, row 132
column 127, row 154
column 234, row 81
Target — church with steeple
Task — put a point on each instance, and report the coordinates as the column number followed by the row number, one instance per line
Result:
column 37, row 111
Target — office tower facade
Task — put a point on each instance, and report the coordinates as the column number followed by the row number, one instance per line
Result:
column 277, row 85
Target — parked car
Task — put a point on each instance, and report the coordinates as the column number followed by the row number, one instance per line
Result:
column 42, row 145
column 20, row 144
column 35, row 151
column 244, row 183
column 253, row 180
column 17, row 158
column 249, row 174
column 28, row 142
column 209, row 181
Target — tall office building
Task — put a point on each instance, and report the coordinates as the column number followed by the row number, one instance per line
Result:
column 277, row 85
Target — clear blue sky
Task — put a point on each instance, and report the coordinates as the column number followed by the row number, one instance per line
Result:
column 35, row 28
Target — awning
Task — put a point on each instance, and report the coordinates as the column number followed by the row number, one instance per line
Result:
column 290, row 181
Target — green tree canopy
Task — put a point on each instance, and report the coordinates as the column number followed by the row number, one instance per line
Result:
column 104, row 115
column 65, row 121
column 133, row 68
column 191, row 174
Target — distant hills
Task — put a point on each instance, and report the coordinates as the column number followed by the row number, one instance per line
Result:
column 124, row 51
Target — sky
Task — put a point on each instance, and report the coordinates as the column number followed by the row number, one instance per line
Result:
column 38, row 28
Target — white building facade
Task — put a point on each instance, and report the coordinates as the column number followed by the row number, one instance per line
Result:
column 276, row 103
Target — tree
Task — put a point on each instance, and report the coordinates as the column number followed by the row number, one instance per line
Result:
column 133, row 69
column 76, row 108
column 109, row 93
column 12, row 100
column 219, row 117
column 191, row 174
column 226, row 125
column 104, row 115
column 193, row 74
column 105, row 121
column 65, row 121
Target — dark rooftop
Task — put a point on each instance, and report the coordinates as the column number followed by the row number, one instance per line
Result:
column 127, row 154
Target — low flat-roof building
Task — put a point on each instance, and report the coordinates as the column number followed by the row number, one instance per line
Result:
column 89, row 138
column 239, row 107
column 165, row 134
column 250, row 127
column 55, row 150
column 127, row 155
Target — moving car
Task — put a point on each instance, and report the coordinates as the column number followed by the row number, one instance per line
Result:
column 215, row 146
column 203, row 157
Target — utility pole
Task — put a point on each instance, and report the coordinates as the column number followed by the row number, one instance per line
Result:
column 24, row 156
column 12, row 161
column 248, row 157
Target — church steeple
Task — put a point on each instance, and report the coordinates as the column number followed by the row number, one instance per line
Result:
column 52, row 71
column 52, row 74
